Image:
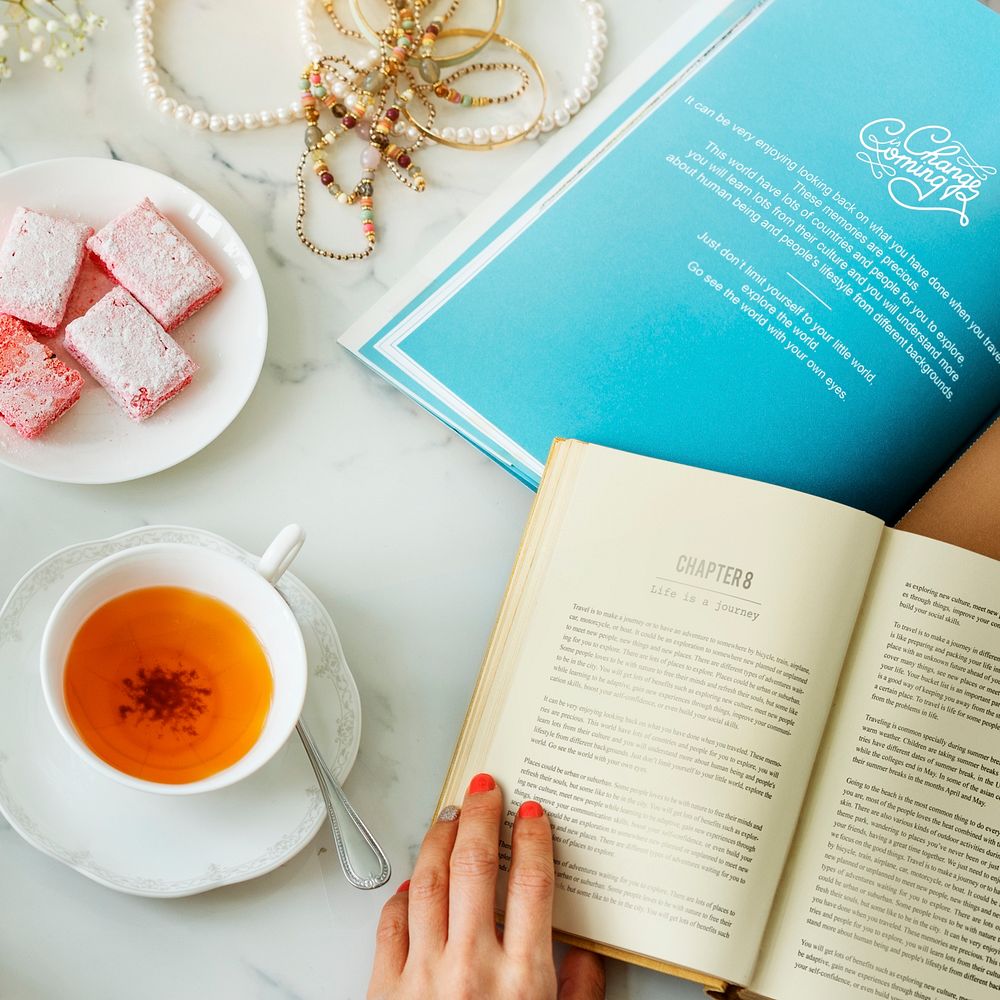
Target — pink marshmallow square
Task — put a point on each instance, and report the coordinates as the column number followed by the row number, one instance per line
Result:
column 39, row 262
column 149, row 256
column 36, row 388
column 129, row 353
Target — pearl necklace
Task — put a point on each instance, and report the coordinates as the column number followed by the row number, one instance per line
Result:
column 142, row 19
column 284, row 114
column 560, row 116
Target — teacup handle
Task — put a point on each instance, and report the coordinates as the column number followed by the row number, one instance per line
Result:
column 280, row 553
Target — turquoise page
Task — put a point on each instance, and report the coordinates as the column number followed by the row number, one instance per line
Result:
column 782, row 265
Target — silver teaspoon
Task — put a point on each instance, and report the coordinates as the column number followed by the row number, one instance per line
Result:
column 363, row 861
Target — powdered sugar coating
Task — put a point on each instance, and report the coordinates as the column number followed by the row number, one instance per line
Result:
column 150, row 257
column 39, row 261
column 36, row 388
column 130, row 354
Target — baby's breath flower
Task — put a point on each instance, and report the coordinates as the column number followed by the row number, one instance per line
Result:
column 50, row 29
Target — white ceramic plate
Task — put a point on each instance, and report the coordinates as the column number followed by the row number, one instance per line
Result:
column 95, row 442
column 152, row 845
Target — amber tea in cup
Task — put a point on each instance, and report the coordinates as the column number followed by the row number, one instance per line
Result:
column 177, row 669
column 167, row 684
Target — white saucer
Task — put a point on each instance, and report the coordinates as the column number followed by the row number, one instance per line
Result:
column 142, row 843
column 95, row 442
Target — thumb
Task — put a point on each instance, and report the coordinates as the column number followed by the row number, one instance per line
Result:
column 581, row 976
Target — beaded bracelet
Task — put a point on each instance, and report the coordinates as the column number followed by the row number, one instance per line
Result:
column 465, row 100
column 369, row 33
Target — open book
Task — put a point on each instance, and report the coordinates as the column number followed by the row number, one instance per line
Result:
column 765, row 726
column 768, row 248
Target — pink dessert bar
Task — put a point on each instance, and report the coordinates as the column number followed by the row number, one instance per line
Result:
column 129, row 353
column 147, row 255
column 36, row 388
column 39, row 261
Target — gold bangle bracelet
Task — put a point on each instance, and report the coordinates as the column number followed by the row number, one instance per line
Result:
column 500, row 40
column 373, row 36
column 484, row 39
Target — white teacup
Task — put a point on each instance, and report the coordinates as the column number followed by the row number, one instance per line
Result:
column 248, row 591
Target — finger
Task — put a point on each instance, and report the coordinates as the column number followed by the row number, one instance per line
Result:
column 474, row 864
column 428, row 892
column 392, row 942
column 530, row 885
column 581, row 976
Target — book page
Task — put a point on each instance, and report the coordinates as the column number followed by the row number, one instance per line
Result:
column 667, row 671
column 894, row 885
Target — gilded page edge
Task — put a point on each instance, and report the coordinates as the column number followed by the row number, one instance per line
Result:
column 450, row 791
column 645, row 961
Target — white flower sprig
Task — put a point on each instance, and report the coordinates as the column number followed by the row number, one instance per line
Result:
column 47, row 30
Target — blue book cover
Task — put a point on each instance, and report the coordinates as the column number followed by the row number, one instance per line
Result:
column 770, row 250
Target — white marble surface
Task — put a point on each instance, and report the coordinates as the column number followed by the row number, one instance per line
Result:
column 411, row 532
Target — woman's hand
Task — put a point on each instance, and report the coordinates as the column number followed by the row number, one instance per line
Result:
column 437, row 938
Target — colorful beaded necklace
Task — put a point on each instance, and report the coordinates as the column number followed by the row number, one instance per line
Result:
column 377, row 100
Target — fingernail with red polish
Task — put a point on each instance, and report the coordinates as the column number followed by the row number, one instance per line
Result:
column 404, row 887
column 481, row 783
column 530, row 810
